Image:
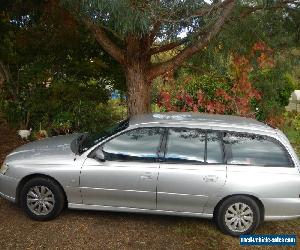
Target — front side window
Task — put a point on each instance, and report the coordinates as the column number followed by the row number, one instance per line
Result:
column 138, row 145
column 255, row 150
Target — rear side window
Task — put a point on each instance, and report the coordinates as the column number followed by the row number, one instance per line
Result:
column 185, row 145
column 193, row 146
column 214, row 148
column 255, row 150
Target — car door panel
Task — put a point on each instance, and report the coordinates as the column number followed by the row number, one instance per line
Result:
column 187, row 188
column 124, row 184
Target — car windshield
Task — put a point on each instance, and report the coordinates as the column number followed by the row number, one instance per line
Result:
column 87, row 141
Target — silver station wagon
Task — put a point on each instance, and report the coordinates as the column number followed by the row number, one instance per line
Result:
column 236, row 170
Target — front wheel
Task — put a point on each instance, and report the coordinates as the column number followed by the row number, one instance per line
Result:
column 238, row 215
column 42, row 199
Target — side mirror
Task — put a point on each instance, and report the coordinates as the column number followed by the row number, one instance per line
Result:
column 99, row 155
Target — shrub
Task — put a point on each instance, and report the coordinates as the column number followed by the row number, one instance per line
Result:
column 292, row 129
column 60, row 106
column 296, row 122
column 63, row 123
column 213, row 94
column 93, row 117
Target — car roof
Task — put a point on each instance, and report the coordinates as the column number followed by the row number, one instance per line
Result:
column 194, row 119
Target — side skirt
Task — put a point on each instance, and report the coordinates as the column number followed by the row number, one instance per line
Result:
column 137, row 210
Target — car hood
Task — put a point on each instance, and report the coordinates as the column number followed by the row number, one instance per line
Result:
column 53, row 148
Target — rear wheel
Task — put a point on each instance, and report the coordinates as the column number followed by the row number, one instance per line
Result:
column 42, row 199
column 238, row 215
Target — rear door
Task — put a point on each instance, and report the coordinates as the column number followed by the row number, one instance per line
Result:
column 192, row 172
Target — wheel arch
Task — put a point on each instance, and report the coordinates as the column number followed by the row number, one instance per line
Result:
column 257, row 200
column 31, row 176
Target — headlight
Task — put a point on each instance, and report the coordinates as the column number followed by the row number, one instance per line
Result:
column 3, row 169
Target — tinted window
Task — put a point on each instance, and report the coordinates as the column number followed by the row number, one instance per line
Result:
column 138, row 144
column 254, row 150
column 185, row 145
column 214, row 148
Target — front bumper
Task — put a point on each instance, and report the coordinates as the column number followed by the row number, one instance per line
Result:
column 8, row 187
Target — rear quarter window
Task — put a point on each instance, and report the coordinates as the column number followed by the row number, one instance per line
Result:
column 250, row 149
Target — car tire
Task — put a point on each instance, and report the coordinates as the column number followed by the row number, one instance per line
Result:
column 238, row 215
column 42, row 199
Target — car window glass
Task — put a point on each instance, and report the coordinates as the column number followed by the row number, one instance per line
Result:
column 185, row 145
column 138, row 144
column 254, row 150
column 214, row 148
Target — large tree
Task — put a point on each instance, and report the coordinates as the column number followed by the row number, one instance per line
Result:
column 133, row 31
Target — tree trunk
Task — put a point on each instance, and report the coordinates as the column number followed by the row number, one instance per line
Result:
column 138, row 84
column 139, row 90
column 4, row 74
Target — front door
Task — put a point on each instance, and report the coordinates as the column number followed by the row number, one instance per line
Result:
column 128, row 176
column 193, row 170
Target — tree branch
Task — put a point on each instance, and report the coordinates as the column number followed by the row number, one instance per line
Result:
column 179, row 59
column 210, row 8
column 154, row 31
column 278, row 5
column 107, row 44
column 167, row 47
column 203, row 11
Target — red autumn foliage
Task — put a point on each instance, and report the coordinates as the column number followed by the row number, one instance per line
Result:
column 236, row 100
column 276, row 121
column 265, row 58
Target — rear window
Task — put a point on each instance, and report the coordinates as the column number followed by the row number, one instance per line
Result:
column 245, row 149
column 186, row 145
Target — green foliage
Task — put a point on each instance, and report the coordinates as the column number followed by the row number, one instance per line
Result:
column 276, row 88
column 62, row 122
column 124, row 16
column 213, row 93
column 59, row 74
column 62, row 108
column 98, row 116
column 55, row 65
column 277, row 29
column 296, row 122
column 292, row 128
column 127, row 17
column 207, row 83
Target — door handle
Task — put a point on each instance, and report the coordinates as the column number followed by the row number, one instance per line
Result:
column 210, row 178
column 147, row 177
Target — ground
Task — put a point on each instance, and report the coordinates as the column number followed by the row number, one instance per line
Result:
column 105, row 230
